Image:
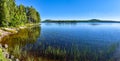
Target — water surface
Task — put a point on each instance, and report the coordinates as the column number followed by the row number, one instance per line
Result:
column 67, row 42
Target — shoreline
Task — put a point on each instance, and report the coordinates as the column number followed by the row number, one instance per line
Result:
column 4, row 54
column 5, row 31
column 3, row 34
column 8, row 31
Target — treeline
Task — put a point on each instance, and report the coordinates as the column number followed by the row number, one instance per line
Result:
column 91, row 20
column 14, row 15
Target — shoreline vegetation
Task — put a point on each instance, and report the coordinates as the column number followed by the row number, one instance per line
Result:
column 5, row 31
column 14, row 17
column 75, row 21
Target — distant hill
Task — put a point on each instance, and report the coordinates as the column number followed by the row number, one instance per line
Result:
column 91, row 20
column 94, row 20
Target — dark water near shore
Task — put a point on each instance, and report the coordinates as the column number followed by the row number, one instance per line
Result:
column 66, row 42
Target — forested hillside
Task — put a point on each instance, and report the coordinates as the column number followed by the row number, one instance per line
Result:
column 16, row 15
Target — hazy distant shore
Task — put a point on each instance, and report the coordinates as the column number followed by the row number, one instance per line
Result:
column 91, row 20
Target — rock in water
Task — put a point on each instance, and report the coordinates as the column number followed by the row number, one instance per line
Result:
column 17, row 59
column 5, row 46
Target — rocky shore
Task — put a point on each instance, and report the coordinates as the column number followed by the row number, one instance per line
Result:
column 7, row 31
column 4, row 54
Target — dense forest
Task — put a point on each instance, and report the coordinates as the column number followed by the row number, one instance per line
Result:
column 16, row 15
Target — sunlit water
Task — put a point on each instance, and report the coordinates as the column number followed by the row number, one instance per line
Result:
column 67, row 42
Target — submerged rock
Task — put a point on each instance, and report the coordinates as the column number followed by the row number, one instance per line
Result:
column 6, row 54
column 5, row 46
column 17, row 60
column 11, row 57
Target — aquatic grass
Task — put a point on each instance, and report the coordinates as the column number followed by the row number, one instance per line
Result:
column 54, row 53
column 112, row 48
column 2, row 58
column 40, row 59
column 30, row 59
column 17, row 51
column 17, row 41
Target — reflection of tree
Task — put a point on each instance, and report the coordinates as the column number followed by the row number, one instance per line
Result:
column 23, row 37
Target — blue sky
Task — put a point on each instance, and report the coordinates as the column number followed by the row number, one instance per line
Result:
column 75, row 9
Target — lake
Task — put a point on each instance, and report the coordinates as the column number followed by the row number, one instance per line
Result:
column 66, row 42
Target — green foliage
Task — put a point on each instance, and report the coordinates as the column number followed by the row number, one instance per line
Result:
column 13, row 15
column 32, row 15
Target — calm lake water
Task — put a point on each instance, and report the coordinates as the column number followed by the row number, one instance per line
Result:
column 66, row 42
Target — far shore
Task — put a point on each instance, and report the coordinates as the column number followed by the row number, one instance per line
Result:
column 75, row 21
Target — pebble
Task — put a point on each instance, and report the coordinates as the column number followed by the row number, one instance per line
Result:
column 6, row 54
column 11, row 56
column 5, row 46
column 17, row 59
